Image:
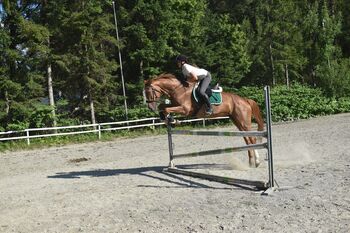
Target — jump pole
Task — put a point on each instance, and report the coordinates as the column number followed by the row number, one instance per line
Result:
column 271, row 184
column 221, row 179
column 268, row 186
column 170, row 143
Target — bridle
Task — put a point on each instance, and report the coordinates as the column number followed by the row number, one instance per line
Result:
column 155, row 98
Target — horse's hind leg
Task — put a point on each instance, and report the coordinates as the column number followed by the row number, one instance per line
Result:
column 252, row 154
column 242, row 120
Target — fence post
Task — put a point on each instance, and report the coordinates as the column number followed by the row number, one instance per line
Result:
column 99, row 131
column 28, row 140
column 203, row 122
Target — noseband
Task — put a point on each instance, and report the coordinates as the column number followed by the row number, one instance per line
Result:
column 154, row 95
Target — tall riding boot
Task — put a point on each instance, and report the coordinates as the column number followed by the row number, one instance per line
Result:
column 208, row 109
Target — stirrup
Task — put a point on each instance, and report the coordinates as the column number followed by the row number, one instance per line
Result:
column 209, row 112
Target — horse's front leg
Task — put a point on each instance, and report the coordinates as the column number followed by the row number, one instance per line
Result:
column 161, row 108
column 176, row 109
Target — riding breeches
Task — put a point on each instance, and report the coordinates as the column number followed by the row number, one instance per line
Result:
column 203, row 85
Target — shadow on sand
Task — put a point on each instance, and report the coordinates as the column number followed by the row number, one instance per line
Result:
column 154, row 172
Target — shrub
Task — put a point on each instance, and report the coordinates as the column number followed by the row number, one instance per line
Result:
column 297, row 102
column 335, row 77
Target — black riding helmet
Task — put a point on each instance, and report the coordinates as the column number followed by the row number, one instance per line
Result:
column 181, row 58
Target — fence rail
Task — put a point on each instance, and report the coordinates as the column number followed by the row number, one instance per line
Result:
column 91, row 128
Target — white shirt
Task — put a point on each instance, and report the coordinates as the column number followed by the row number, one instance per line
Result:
column 187, row 69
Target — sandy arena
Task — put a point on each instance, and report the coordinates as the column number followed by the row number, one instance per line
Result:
column 119, row 186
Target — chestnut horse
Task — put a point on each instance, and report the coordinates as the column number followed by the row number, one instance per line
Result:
column 240, row 110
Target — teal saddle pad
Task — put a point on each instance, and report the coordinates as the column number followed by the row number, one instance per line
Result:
column 215, row 98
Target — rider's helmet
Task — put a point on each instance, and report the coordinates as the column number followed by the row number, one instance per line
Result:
column 181, row 58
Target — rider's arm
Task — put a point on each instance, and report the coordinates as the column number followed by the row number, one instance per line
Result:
column 189, row 73
column 192, row 77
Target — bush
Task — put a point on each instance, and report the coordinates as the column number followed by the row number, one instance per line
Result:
column 297, row 102
column 335, row 77
column 17, row 126
column 41, row 116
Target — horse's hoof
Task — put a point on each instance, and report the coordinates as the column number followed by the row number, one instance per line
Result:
column 254, row 164
column 257, row 163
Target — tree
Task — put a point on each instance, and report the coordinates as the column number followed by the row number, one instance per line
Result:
column 88, row 48
column 24, row 47
column 320, row 31
column 276, row 41
column 344, row 37
column 225, row 51
column 46, row 20
column 335, row 78
column 153, row 33
column 8, row 88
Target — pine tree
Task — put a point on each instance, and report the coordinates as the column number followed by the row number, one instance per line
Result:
column 88, row 46
column 23, row 55
column 225, row 50
column 153, row 33
column 343, row 7
column 320, row 31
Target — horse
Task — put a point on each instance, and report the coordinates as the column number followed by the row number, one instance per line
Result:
column 240, row 110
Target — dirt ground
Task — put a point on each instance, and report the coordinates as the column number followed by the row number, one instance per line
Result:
column 119, row 186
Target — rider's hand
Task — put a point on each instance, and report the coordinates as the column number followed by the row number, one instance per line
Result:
column 193, row 77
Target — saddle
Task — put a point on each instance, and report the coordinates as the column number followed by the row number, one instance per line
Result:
column 214, row 94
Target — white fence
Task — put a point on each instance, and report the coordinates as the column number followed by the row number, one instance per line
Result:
column 90, row 128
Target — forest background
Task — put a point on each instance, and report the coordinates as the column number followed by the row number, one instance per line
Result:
column 59, row 61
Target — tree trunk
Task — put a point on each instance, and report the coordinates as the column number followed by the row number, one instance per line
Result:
column 92, row 109
column 141, row 73
column 7, row 103
column 50, row 89
column 286, row 73
column 49, row 68
column 91, row 100
column 272, row 66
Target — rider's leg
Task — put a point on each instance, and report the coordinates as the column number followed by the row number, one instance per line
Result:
column 203, row 87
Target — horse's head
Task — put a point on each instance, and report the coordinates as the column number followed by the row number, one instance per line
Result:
column 153, row 93
column 164, row 84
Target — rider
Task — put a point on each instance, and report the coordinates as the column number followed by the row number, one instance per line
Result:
column 195, row 74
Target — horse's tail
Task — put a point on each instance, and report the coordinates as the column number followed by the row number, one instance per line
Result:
column 256, row 114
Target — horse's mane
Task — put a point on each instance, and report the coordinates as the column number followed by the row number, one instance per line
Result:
column 165, row 76
column 160, row 77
